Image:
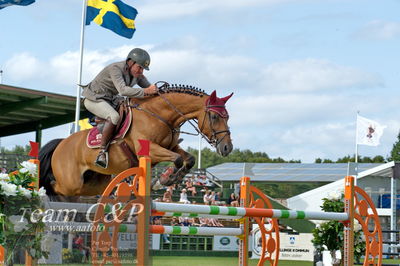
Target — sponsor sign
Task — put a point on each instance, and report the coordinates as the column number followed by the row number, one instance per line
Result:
column 227, row 243
column 128, row 241
column 292, row 246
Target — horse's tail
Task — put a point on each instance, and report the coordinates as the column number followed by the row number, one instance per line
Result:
column 45, row 172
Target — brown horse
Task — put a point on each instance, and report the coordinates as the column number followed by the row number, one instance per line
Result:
column 67, row 165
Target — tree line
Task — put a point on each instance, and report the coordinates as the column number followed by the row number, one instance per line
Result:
column 211, row 158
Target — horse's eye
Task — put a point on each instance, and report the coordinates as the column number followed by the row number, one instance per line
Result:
column 214, row 117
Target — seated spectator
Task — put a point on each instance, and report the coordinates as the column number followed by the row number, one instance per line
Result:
column 190, row 187
column 193, row 222
column 203, row 222
column 233, row 200
column 207, row 197
column 183, row 198
column 174, row 221
column 167, row 197
column 157, row 221
column 202, row 180
column 184, row 221
column 215, row 223
column 212, row 198
column 209, row 183
column 218, row 199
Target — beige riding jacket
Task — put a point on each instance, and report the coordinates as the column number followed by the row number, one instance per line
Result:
column 115, row 80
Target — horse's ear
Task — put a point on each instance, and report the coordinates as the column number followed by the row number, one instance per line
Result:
column 225, row 99
column 213, row 96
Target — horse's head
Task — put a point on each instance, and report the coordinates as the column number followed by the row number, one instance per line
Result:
column 214, row 124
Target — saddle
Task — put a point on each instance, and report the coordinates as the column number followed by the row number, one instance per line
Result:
column 93, row 139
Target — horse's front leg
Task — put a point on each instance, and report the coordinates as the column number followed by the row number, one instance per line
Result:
column 172, row 174
column 188, row 163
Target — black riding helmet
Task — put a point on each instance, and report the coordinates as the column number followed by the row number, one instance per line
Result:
column 140, row 56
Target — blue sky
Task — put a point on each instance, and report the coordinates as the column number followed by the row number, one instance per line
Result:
column 300, row 70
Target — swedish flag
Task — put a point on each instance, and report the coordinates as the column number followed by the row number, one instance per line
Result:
column 113, row 15
column 4, row 3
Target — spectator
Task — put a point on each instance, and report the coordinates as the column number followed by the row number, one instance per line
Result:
column 207, row 197
column 193, row 222
column 174, row 221
column 215, row 223
column 190, row 187
column 80, row 244
column 203, row 222
column 183, row 198
column 167, row 197
column 202, row 180
column 218, row 199
column 157, row 221
column 212, row 198
column 209, row 183
column 233, row 200
column 184, row 221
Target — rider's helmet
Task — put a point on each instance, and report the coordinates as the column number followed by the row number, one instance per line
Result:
column 140, row 56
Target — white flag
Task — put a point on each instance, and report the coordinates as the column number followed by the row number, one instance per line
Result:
column 368, row 131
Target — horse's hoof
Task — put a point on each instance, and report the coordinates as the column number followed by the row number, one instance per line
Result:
column 164, row 177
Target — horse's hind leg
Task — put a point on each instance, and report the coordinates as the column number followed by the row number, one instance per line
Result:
column 96, row 184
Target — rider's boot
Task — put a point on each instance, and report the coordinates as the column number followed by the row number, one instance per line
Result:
column 108, row 130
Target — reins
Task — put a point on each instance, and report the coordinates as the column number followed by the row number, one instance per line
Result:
column 213, row 141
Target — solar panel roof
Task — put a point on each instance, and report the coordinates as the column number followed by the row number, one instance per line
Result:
column 285, row 172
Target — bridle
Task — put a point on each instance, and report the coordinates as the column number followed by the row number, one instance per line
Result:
column 213, row 140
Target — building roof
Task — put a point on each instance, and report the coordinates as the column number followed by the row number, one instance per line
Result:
column 312, row 199
column 285, row 172
column 24, row 110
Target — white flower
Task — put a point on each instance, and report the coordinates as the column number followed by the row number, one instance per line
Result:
column 42, row 192
column 20, row 223
column 4, row 177
column 357, row 226
column 8, row 188
column 334, row 195
column 28, row 167
column 26, row 192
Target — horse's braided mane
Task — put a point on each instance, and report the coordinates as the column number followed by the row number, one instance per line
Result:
column 183, row 89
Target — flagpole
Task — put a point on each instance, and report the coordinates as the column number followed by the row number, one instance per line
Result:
column 356, row 158
column 78, row 87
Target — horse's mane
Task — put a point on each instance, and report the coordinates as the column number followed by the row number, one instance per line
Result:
column 175, row 88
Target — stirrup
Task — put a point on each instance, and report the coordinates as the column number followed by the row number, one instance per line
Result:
column 102, row 164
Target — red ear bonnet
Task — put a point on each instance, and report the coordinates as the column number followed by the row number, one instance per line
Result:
column 217, row 105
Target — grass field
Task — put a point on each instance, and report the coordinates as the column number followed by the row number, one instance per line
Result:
column 216, row 261
column 212, row 261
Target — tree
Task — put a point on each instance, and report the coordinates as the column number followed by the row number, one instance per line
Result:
column 395, row 153
column 329, row 235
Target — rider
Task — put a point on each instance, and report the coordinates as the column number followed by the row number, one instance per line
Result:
column 116, row 80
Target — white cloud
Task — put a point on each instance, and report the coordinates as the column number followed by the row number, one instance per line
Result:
column 313, row 74
column 379, row 30
column 208, row 70
column 194, row 67
column 161, row 10
column 23, row 66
